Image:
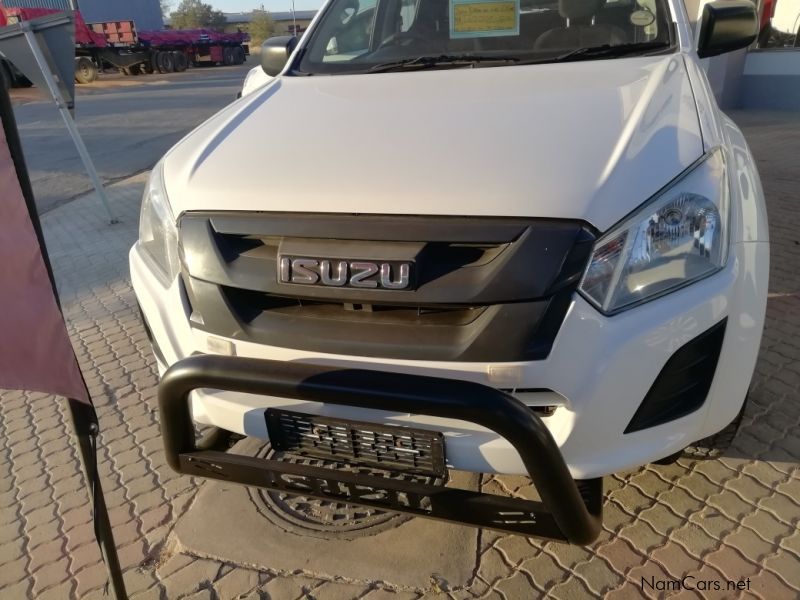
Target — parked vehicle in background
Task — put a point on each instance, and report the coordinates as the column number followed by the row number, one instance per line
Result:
column 10, row 76
column 120, row 46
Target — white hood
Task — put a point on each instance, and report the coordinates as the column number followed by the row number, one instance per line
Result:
column 587, row 140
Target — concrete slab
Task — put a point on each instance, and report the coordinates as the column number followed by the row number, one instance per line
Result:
column 224, row 523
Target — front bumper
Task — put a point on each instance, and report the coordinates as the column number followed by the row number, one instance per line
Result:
column 569, row 511
column 597, row 373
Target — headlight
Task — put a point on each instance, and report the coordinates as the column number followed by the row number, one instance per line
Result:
column 158, row 236
column 678, row 237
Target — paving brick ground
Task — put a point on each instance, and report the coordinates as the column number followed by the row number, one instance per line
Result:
column 735, row 518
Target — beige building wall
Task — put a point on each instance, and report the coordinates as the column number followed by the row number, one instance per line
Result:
column 282, row 27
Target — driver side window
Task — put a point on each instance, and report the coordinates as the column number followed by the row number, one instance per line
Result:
column 408, row 12
column 351, row 39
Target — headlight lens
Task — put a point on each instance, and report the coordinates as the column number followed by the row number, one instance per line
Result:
column 158, row 236
column 678, row 237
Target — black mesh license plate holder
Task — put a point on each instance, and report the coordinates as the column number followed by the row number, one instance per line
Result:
column 389, row 447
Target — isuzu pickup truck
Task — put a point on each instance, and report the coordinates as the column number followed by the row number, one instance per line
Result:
column 499, row 236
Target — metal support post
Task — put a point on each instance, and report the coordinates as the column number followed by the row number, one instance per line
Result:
column 30, row 37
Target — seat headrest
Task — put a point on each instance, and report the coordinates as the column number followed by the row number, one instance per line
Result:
column 578, row 9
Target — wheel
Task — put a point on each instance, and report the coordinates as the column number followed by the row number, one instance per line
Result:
column 169, row 62
column 239, row 56
column 135, row 70
column 166, row 62
column 147, row 67
column 715, row 445
column 85, row 70
column 227, row 57
column 154, row 67
column 181, row 62
column 669, row 460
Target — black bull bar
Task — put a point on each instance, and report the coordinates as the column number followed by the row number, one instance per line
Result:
column 569, row 510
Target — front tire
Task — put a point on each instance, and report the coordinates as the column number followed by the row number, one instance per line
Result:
column 715, row 445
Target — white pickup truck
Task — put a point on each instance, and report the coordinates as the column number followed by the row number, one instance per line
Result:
column 508, row 236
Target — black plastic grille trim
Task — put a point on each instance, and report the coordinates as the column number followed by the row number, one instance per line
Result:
column 683, row 384
column 485, row 289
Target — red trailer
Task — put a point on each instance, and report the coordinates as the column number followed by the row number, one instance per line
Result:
column 120, row 46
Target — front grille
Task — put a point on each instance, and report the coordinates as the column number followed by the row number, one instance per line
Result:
column 441, row 257
column 248, row 306
column 484, row 289
column 393, row 448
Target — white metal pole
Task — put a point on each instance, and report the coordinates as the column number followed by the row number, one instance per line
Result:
column 294, row 20
column 55, row 92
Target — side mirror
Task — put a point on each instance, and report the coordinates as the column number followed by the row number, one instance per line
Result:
column 727, row 25
column 275, row 52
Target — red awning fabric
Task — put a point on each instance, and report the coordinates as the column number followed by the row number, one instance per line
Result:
column 35, row 350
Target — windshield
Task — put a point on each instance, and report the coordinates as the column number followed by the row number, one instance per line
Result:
column 372, row 36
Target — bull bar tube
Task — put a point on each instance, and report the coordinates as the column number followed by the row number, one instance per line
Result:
column 569, row 510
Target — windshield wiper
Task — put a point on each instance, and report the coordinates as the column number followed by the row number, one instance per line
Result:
column 471, row 60
column 609, row 50
column 427, row 62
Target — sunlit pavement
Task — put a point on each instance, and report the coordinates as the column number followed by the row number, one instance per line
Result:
column 734, row 519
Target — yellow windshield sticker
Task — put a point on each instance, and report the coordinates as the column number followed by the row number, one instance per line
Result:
column 483, row 18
